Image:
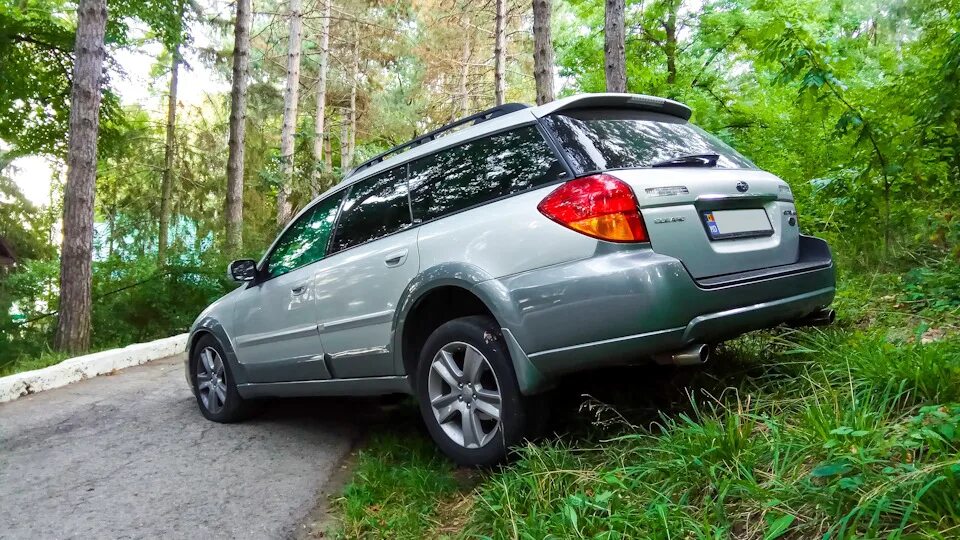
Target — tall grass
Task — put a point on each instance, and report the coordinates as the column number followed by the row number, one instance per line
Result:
column 851, row 432
column 823, row 435
column 395, row 487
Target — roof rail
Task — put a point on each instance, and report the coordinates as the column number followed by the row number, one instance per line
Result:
column 473, row 119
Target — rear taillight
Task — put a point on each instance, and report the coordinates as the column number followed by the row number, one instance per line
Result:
column 600, row 206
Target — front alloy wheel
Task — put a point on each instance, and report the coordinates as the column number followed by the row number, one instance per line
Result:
column 213, row 383
column 211, row 380
column 464, row 395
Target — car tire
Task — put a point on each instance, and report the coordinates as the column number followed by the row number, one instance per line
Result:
column 457, row 400
column 213, row 383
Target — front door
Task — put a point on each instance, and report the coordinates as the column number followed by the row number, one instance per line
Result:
column 276, row 337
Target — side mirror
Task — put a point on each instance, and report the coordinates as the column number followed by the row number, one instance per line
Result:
column 243, row 270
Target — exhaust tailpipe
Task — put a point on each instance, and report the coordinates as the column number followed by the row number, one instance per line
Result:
column 693, row 355
column 820, row 317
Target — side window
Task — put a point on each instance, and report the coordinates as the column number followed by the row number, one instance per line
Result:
column 374, row 208
column 479, row 171
column 306, row 240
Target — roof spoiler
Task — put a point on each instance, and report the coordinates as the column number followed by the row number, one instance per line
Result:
column 630, row 101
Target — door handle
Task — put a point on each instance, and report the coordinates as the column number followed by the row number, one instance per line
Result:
column 396, row 258
column 298, row 290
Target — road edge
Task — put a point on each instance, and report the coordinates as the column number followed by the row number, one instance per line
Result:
column 79, row 368
column 323, row 518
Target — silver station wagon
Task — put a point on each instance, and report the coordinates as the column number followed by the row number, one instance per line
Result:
column 474, row 266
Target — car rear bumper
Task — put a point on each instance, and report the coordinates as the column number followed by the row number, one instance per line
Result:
column 623, row 306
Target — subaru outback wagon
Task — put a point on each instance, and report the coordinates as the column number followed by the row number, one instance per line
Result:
column 475, row 265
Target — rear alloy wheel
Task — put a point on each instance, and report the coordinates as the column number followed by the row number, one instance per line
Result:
column 464, row 395
column 213, row 383
column 468, row 392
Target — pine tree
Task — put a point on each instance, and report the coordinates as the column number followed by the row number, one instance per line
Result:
column 76, row 257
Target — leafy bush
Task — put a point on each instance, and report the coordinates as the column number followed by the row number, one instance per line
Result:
column 133, row 301
column 934, row 289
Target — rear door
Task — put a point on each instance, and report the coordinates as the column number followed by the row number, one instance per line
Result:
column 359, row 287
column 477, row 205
column 717, row 213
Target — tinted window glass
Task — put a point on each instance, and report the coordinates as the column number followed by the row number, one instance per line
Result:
column 374, row 208
column 479, row 171
column 604, row 139
column 306, row 240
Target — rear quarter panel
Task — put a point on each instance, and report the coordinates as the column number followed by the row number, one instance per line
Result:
column 502, row 238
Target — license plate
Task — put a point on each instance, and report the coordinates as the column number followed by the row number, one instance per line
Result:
column 723, row 224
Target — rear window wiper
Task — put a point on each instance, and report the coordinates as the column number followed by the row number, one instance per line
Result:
column 692, row 160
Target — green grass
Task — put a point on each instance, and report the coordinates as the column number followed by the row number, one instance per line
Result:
column 807, row 445
column 397, row 482
column 46, row 359
column 26, row 364
column 848, row 432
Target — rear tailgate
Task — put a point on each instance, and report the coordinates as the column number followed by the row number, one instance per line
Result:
column 716, row 221
column 702, row 202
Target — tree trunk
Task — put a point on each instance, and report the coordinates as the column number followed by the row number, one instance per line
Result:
column 670, row 44
column 166, row 187
column 238, row 127
column 465, row 72
column 614, row 53
column 500, row 53
column 112, row 224
column 345, row 157
column 76, row 255
column 352, row 113
column 327, row 152
column 543, row 51
column 290, row 97
column 318, row 120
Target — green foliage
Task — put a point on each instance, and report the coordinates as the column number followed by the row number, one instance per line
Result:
column 133, row 301
column 21, row 223
column 813, row 434
column 38, row 358
column 374, row 500
column 36, row 58
column 835, row 433
column 934, row 290
column 36, row 55
column 136, row 302
column 853, row 103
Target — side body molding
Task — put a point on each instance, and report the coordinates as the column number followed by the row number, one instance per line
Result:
column 494, row 296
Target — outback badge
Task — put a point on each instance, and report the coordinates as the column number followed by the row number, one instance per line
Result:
column 671, row 219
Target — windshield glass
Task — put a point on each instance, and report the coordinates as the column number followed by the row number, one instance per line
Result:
column 606, row 139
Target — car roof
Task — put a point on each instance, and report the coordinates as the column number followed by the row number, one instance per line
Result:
column 520, row 116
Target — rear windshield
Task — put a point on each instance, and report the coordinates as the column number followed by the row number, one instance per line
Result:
column 605, row 139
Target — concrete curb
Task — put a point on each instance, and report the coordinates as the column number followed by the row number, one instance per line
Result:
column 91, row 365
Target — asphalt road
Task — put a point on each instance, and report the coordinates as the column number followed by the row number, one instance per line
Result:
column 129, row 456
